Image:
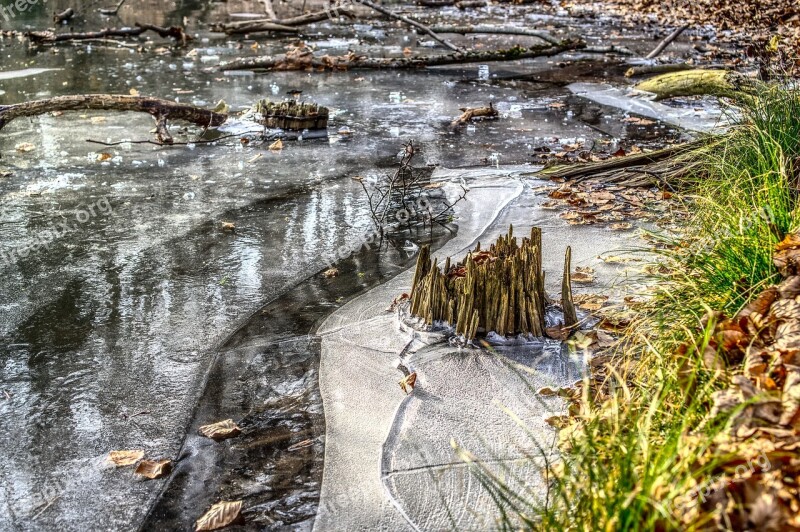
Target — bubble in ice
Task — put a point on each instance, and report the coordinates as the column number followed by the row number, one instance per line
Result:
column 275, row 88
column 483, row 72
column 162, row 163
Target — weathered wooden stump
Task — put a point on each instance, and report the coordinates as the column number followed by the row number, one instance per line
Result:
column 291, row 115
column 500, row 289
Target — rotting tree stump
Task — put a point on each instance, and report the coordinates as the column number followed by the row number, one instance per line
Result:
column 500, row 289
column 291, row 115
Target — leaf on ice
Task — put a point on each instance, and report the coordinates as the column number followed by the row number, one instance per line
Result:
column 228, row 226
column 125, row 458
column 104, row 156
column 222, row 514
column 277, row 145
column 583, row 275
column 408, row 382
column 154, row 469
column 221, row 430
column 622, row 226
column 331, row 272
column 24, row 147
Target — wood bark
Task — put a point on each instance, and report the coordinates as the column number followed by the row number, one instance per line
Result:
column 300, row 59
column 160, row 110
column 570, row 314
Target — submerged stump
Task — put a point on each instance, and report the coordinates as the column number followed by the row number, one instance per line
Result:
column 500, row 289
column 291, row 115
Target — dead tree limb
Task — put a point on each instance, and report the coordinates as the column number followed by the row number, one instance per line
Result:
column 266, row 24
column 496, row 30
column 64, row 16
column 570, row 315
column 111, row 12
column 468, row 113
column 410, row 22
column 176, row 32
column 304, row 59
column 667, row 41
column 160, row 110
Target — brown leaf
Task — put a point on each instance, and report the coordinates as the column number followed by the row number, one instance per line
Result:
column 408, row 382
column 221, row 430
column 276, row 146
column 24, row 147
column 125, row 458
column 331, row 272
column 621, row 226
column 153, row 469
column 228, row 226
column 104, row 156
column 222, row 514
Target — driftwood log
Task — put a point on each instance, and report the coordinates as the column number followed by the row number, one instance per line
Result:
column 697, row 83
column 160, row 110
column 302, row 58
column 291, row 115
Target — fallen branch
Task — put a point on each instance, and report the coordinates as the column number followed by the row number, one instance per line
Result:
column 303, row 59
column 667, row 41
column 64, row 16
column 160, row 110
column 176, row 32
column 111, row 12
column 468, row 113
column 495, row 30
column 410, row 22
column 267, row 24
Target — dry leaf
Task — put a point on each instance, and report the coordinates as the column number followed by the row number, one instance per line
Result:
column 125, row 458
column 133, row 92
column 104, row 156
column 222, row 514
column 221, row 430
column 277, row 145
column 154, row 469
column 331, row 272
column 620, row 226
column 97, row 119
column 408, row 382
column 24, row 147
column 583, row 275
column 228, row 226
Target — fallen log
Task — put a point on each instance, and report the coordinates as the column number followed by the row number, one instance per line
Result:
column 495, row 30
column 160, row 110
column 175, row 32
column 697, row 83
column 302, row 58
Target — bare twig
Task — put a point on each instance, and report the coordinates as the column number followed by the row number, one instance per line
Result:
column 410, row 22
column 667, row 41
column 496, row 30
column 111, row 12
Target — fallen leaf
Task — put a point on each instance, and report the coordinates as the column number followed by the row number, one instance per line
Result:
column 222, row 514
column 408, row 381
column 133, row 92
column 228, row 226
column 220, row 430
column 622, row 226
column 97, row 119
column 590, row 302
column 331, row 272
column 277, row 145
column 583, row 275
column 547, row 392
column 24, row 147
column 125, row 458
column 104, row 156
column 153, row 469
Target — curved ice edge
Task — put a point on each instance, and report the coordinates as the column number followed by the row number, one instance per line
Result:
column 508, row 181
